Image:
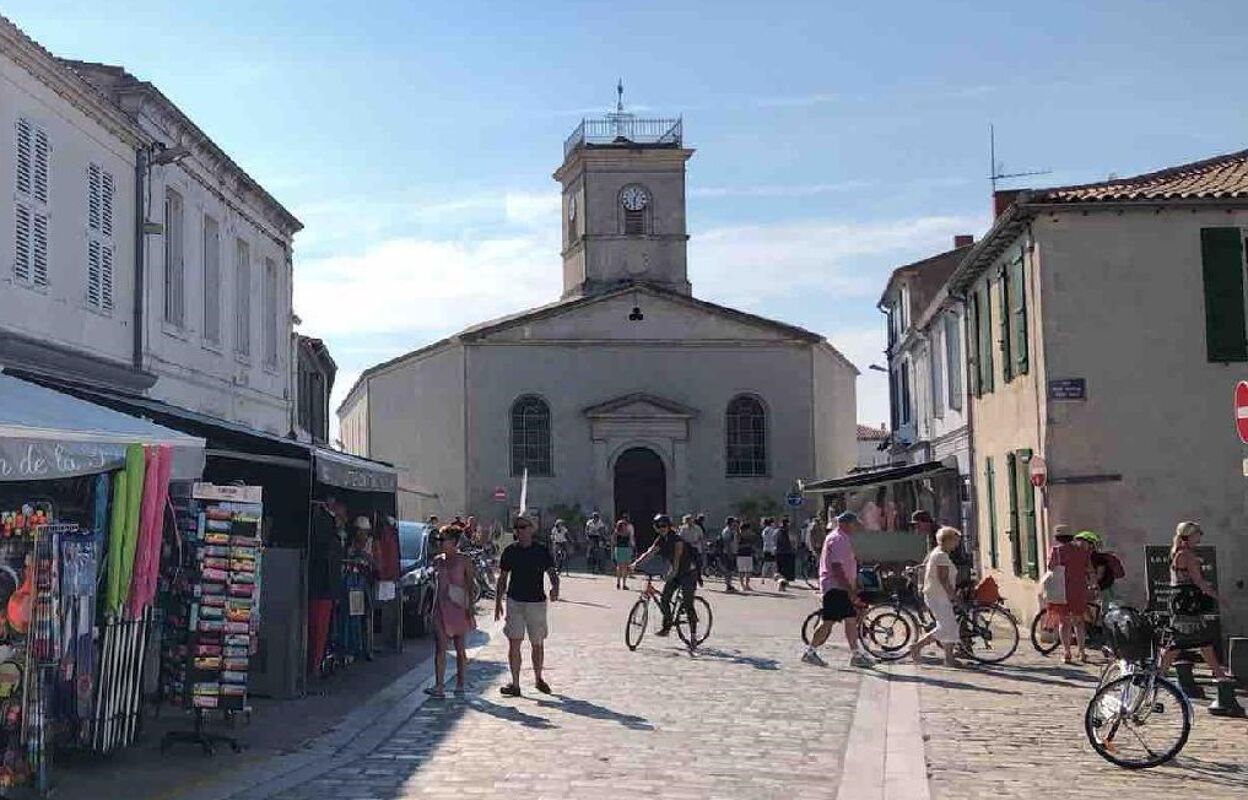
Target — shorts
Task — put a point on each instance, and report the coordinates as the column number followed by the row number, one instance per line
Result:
column 745, row 565
column 623, row 554
column 837, row 605
column 526, row 618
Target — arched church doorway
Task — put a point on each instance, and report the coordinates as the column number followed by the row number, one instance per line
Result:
column 640, row 490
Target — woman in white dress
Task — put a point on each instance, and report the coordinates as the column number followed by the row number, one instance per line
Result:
column 938, row 592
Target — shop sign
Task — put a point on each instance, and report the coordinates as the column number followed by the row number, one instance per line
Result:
column 1068, row 389
column 37, row 459
column 228, row 494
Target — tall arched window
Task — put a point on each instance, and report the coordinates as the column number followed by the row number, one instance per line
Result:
column 530, row 436
column 746, row 445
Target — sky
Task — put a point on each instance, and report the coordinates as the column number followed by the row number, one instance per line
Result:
column 835, row 140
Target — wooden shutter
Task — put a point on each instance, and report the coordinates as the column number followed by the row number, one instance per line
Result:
column 212, row 281
column 39, row 251
column 1222, row 261
column 94, row 196
column 94, row 275
column 985, row 339
column 1018, row 315
column 242, row 298
column 1027, row 515
column 953, row 360
column 991, row 501
column 107, row 191
column 106, row 277
column 43, row 153
column 1003, row 324
column 25, row 156
column 972, row 343
column 936, row 372
column 270, row 313
column 22, row 241
column 1011, row 463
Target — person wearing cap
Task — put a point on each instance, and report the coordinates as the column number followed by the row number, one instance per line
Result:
column 1073, row 558
column 1105, row 566
column 838, row 580
column 682, row 572
column 921, row 522
column 520, row 570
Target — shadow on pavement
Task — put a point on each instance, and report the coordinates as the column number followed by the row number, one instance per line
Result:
column 584, row 708
column 944, row 684
column 581, row 603
column 1218, row 772
column 1052, row 676
column 736, row 657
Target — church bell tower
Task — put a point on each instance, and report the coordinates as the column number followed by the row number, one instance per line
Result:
column 623, row 184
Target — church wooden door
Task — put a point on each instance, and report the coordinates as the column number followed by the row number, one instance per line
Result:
column 640, row 490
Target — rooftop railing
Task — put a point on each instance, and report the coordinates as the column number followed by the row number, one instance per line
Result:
column 624, row 129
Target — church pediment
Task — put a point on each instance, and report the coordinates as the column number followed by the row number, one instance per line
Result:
column 640, row 406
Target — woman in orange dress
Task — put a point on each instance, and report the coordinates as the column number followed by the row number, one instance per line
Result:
column 1071, row 554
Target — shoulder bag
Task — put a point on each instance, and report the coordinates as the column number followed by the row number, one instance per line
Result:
column 1053, row 584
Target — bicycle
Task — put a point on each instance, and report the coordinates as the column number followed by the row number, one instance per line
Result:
column 1142, row 701
column 1094, row 635
column 692, row 632
column 560, row 552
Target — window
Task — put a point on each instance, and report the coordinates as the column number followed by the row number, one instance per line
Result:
column 746, row 445
column 100, row 191
column 30, row 215
column 270, row 313
column 1017, row 311
column 175, row 300
column 936, row 374
column 530, row 436
column 1222, row 261
column 212, row 280
column 991, row 507
column 904, row 391
column 242, row 298
column 903, row 310
column 980, row 341
column 953, row 360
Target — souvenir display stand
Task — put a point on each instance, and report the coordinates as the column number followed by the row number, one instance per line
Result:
column 212, row 607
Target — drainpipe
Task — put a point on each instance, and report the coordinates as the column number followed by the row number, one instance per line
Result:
column 140, row 242
column 969, row 413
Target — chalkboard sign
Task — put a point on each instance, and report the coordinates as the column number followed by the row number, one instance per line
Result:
column 1157, row 566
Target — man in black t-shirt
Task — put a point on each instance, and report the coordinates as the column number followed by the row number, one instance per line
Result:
column 520, row 570
column 683, row 573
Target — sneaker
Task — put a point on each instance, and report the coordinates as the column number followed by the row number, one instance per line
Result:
column 860, row 660
column 543, row 687
column 664, row 631
column 813, row 658
column 510, row 690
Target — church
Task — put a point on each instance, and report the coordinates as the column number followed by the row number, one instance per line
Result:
column 628, row 393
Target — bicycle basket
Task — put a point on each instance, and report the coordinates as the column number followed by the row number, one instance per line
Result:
column 1130, row 634
column 987, row 592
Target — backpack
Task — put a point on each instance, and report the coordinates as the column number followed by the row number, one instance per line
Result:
column 1115, row 566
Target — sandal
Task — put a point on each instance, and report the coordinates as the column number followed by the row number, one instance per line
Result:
column 435, row 692
column 510, row 690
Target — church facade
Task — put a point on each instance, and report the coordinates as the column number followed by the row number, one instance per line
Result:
column 628, row 393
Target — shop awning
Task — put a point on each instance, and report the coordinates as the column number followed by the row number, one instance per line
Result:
column 878, row 477
column 352, row 472
column 45, row 434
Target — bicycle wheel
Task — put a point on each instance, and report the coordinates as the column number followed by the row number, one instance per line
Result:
column 635, row 628
column 694, row 635
column 1138, row 721
column 886, row 632
column 1037, row 626
column 808, row 627
column 990, row 634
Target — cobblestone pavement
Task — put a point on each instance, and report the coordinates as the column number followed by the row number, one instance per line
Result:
column 742, row 719
column 1016, row 731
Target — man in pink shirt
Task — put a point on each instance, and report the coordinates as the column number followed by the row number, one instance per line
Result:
column 838, row 580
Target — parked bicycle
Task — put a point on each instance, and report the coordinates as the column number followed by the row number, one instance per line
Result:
column 692, row 632
column 1143, row 703
column 1044, row 636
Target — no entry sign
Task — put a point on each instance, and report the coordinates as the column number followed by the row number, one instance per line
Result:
column 1241, row 410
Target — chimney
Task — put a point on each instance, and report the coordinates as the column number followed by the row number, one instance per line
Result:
column 1003, row 199
column 963, row 240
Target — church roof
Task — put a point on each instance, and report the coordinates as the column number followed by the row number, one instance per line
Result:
column 481, row 330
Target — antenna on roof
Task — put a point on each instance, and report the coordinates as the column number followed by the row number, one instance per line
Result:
column 996, row 170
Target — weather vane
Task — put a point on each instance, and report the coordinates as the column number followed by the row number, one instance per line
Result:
column 619, row 96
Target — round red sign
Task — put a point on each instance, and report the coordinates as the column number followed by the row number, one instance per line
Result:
column 1241, row 410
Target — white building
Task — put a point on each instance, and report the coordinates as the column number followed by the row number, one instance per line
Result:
column 629, row 393
column 67, row 237
column 873, row 447
column 217, row 280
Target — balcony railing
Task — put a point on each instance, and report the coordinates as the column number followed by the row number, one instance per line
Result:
column 624, row 129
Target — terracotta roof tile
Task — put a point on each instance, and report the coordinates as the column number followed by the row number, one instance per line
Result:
column 1220, row 177
column 870, row 434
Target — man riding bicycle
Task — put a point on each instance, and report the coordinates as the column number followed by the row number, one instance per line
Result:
column 595, row 532
column 682, row 573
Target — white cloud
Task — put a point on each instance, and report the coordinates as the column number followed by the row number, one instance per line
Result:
column 750, row 264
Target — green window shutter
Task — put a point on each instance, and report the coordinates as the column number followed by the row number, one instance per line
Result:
column 1011, row 465
column 1018, row 315
column 1222, row 258
column 1027, row 515
column 1003, row 325
column 989, row 480
column 985, row 339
